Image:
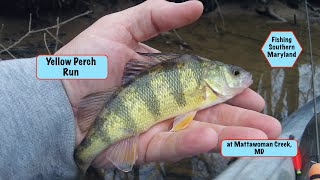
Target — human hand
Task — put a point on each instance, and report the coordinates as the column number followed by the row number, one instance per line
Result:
column 119, row 35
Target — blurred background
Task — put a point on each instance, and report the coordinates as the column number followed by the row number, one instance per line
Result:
column 229, row 31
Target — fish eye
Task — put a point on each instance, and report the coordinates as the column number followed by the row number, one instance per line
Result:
column 236, row 72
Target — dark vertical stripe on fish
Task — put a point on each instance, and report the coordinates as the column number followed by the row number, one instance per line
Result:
column 175, row 86
column 86, row 142
column 197, row 72
column 100, row 132
column 123, row 112
column 150, row 99
column 97, row 134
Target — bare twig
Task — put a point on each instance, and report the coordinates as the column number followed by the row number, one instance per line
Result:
column 178, row 36
column 43, row 29
column 17, row 42
column 5, row 49
column 45, row 43
column 220, row 13
column 216, row 28
column 30, row 21
column 57, row 35
column 310, row 6
column 313, row 82
column 54, row 36
column 182, row 43
column 270, row 13
column 64, row 22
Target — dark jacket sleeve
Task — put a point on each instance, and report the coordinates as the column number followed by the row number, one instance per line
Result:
column 37, row 130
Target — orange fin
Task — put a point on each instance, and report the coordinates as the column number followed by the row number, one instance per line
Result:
column 124, row 154
column 90, row 107
column 182, row 121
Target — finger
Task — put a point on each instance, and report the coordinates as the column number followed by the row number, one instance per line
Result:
column 144, row 139
column 248, row 99
column 233, row 132
column 148, row 19
column 199, row 137
column 227, row 115
column 146, row 49
column 229, row 132
column 185, row 143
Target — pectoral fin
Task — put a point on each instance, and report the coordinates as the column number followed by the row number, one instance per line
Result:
column 182, row 121
column 124, row 154
column 215, row 87
column 206, row 92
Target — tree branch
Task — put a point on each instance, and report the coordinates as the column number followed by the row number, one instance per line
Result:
column 45, row 43
column 41, row 30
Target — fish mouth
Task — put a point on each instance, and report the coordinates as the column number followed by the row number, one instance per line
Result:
column 247, row 80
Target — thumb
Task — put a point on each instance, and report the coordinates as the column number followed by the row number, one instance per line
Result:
column 148, row 19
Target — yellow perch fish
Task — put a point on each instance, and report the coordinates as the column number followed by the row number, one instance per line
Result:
column 165, row 86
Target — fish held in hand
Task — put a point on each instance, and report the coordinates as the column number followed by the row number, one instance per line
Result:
column 166, row 85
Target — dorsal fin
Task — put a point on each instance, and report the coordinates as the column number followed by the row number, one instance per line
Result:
column 90, row 107
column 135, row 67
column 160, row 56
